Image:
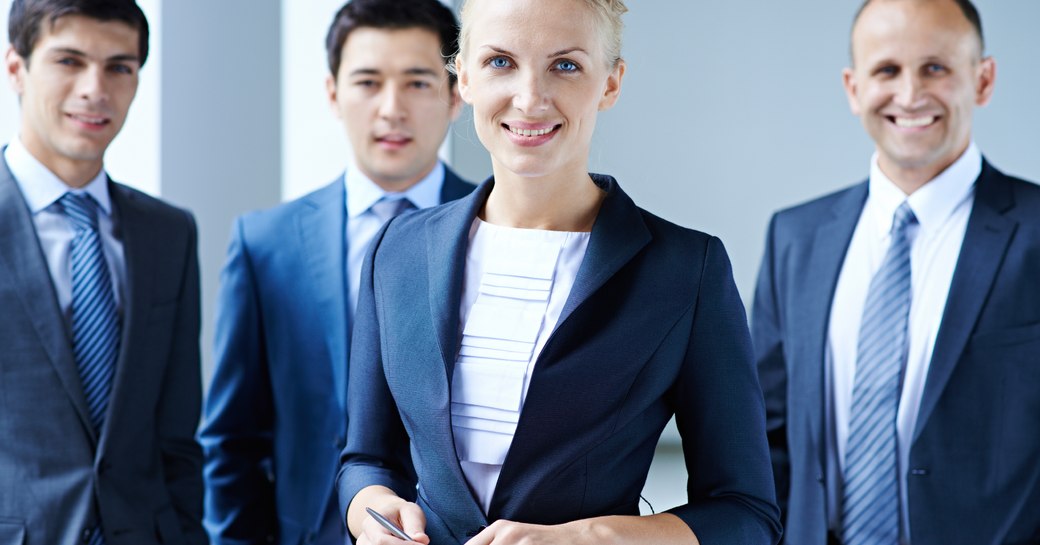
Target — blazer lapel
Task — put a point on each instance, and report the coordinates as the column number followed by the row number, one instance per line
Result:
column 812, row 312
column 447, row 237
column 322, row 230
column 23, row 264
column 986, row 240
column 617, row 236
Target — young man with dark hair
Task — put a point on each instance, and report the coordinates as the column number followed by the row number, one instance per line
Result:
column 276, row 414
column 99, row 301
column 897, row 322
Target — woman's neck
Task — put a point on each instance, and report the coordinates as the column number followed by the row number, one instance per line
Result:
column 556, row 203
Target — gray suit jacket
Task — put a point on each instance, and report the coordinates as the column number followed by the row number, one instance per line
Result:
column 142, row 476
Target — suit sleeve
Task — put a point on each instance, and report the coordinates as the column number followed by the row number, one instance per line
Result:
column 377, row 446
column 720, row 416
column 179, row 404
column 766, row 334
column 237, row 435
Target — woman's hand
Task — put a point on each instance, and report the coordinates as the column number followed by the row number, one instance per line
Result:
column 659, row 529
column 406, row 515
column 505, row 532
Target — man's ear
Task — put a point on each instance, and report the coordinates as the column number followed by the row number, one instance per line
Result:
column 333, row 93
column 848, row 81
column 16, row 69
column 985, row 80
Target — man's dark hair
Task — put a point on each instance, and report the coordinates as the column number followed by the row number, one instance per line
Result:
column 27, row 17
column 392, row 15
column 970, row 13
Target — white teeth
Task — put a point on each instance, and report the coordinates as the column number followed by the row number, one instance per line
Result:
column 912, row 122
column 528, row 132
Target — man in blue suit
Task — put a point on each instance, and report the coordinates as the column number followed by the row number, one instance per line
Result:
column 897, row 322
column 275, row 418
column 100, row 386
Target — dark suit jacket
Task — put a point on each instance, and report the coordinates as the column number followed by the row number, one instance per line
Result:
column 975, row 459
column 276, row 415
column 143, row 475
column 653, row 326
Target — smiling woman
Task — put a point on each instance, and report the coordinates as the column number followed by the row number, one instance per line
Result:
column 549, row 328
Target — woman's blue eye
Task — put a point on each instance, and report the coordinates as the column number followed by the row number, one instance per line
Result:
column 567, row 66
column 500, row 62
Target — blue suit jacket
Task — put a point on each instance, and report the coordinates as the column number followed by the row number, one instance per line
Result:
column 975, row 459
column 275, row 416
column 142, row 474
column 653, row 326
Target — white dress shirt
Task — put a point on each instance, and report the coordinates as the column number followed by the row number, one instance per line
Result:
column 516, row 283
column 42, row 189
column 942, row 207
column 363, row 223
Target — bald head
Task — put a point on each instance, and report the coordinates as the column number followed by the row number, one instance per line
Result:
column 965, row 7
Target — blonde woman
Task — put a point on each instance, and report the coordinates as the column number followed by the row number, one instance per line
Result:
column 523, row 348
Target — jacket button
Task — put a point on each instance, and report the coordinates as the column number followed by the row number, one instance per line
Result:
column 339, row 442
column 919, row 472
column 473, row 533
column 86, row 535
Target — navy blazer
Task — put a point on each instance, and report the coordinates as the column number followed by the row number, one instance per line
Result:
column 142, row 474
column 275, row 416
column 975, row 459
column 653, row 327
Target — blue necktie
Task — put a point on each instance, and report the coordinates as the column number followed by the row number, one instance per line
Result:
column 95, row 319
column 871, row 503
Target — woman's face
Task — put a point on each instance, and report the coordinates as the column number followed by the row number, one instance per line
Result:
column 536, row 74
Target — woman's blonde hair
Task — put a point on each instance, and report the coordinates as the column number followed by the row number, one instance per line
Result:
column 608, row 12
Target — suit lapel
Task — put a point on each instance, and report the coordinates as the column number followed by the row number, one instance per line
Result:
column 322, row 231
column 453, row 187
column 23, row 265
column 986, row 241
column 617, row 236
column 447, row 237
column 812, row 313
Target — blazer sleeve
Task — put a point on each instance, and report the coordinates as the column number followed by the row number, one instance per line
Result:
column 237, row 435
column 177, row 415
column 720, row 416
column 767, row 337
column 377, row 449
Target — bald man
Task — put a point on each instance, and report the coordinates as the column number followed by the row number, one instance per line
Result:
column 897, row 322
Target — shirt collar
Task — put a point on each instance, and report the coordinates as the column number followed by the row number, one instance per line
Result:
column 362, row 192
column 42, row 188
column 934, row 202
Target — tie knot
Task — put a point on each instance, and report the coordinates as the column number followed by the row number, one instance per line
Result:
column 388, row 207
column 81, row 209
column 903, row 217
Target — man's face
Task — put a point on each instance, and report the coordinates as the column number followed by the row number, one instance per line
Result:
column 917, row 75
column 75, row 90
column 393, row 96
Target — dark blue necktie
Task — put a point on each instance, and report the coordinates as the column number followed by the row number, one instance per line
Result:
column 871, row 503
column 95, row 319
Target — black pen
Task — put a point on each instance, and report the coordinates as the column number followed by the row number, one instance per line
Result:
column 385, row 523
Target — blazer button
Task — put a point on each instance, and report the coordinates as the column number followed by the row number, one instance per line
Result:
column 919, row 472
column 473, row 533
column 339, row 442
column 86, row 535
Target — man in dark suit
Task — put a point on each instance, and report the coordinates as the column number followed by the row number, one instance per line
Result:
column 100, row 386
column 276, row 414
column 897, row 323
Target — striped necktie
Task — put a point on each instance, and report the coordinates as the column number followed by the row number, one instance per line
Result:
column 95, row 319
column 387, row 207
column 871, row 503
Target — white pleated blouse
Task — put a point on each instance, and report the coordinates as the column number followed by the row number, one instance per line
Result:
column 516, row 283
